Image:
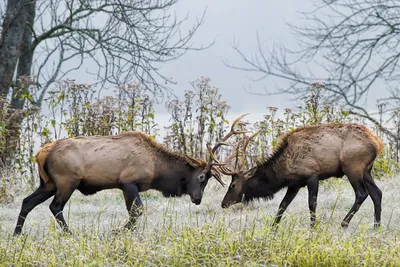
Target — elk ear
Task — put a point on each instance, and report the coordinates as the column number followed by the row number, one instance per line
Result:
column 248, row 174
column 235, row 176
column 195, row 163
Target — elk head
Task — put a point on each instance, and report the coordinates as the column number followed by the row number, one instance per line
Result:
column 205, row 170
column 240, row 177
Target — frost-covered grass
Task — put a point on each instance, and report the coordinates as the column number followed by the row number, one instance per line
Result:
column 175, row 232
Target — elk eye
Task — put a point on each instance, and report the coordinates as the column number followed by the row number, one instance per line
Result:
column 233, row 186
column 202, row 177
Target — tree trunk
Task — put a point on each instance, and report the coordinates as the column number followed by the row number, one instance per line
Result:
column 26, row 57
column 15, row 48
column 10, row 42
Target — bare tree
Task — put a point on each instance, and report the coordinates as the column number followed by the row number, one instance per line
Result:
column 354, row 46
column 121, row 40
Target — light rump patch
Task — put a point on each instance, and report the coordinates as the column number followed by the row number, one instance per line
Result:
column 41, row 157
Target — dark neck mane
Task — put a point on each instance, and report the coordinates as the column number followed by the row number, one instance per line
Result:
column 277, row 152
column 268, row 181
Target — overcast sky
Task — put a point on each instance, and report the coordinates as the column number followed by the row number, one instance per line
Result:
column 226, row 20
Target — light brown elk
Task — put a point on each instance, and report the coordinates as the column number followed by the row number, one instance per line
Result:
column 307, row 155
column 131, row 161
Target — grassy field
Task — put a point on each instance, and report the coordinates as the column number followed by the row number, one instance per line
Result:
column 175, row 232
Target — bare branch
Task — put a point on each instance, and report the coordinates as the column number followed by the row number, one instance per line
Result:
column 353, row 44
column 126, row 40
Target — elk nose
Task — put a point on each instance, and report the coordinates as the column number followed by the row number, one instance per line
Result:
column 224, row 205
column 196, row 201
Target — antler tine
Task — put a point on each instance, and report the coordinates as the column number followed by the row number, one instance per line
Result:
column 248, row 139
column 233, row 131
column 233, row 154
column 211, row 152
column 217, row 176
column 227, row 171
column 236, row 155
column 218, row 145
column 222, row 166
column 213, row 158
column 234, row 151
column 237, row 165
column 245, row 144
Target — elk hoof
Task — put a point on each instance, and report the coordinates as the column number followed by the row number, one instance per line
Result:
column 275, row 225
column 117, row 231
column 130, row 226
column 67, row 233
column 16, row 234
column 377, row 226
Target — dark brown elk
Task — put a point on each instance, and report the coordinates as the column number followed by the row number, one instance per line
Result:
column 307, row 155
column 131, row 161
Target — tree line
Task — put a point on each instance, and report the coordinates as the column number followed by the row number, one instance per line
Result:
column 200, row 117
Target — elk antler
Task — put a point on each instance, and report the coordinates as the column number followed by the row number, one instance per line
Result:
column 229, row 134
column 233, row 131
column 235, row 154
column 245, row 144
column 212, row 150
column 222, row 168
column 219, row 164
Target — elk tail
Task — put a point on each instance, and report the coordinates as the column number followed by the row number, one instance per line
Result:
column 41, row 160
column 377, row 142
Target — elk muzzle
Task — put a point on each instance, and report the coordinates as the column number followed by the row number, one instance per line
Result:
column 228, row 202
column 196, row 200
column 196, row 197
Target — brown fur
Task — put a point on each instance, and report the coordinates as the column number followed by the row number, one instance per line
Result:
column 154, row 149
column 158, row 148
column 309, row 154
column 306, row 134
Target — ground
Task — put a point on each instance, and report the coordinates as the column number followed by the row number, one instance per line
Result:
column 176, row 232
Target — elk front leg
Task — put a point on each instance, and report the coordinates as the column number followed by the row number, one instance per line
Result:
column 290, row 194
column 312, row 187
column 133, row 203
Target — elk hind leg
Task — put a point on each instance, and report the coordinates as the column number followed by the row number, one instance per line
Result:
column 287, row 199
column 312, row 187
column 361, row 194
column 44, row 192
column 376, row 196
column 133, row 203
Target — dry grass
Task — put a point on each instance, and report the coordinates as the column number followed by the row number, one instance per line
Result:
column 176, row 232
